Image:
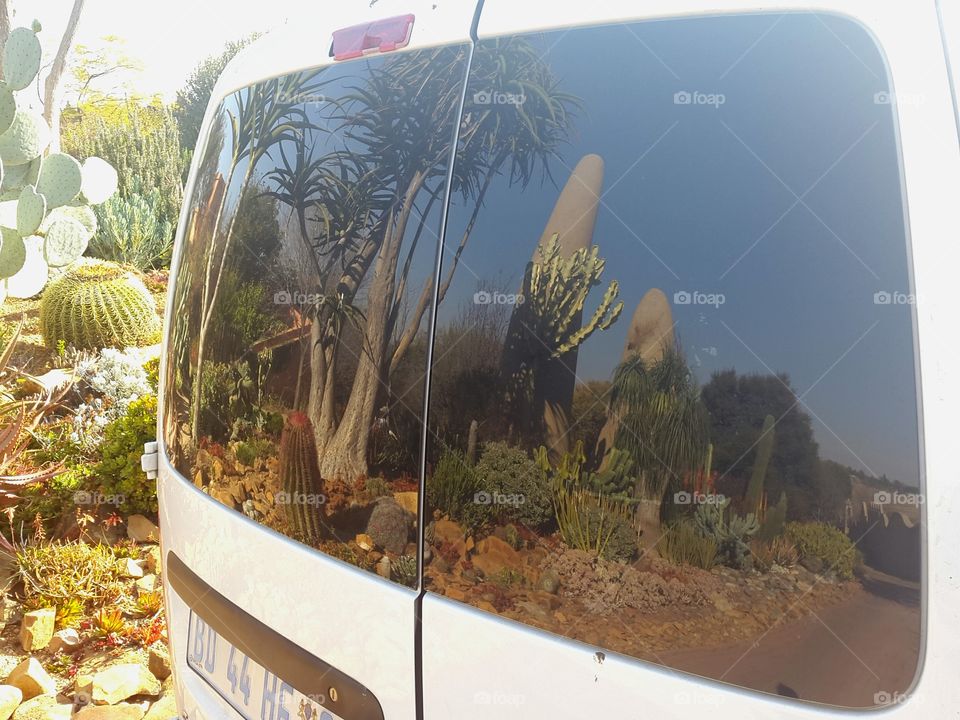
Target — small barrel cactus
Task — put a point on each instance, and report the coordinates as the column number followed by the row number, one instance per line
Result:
column 300, row 477
column 98, row 304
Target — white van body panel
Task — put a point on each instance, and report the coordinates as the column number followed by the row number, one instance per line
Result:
column 476, row 665
column 513, row 672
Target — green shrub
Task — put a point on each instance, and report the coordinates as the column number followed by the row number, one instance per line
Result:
column 119, row 472
column 247, row 451
column 826, row 544
column 97, row 305
column 595, row 524
column 681, row 544
column 55, row 572
column 452, row 485
column 131, row 230
column 517, row 487
column 152, row 366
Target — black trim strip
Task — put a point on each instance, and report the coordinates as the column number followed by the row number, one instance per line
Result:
column 308, row 674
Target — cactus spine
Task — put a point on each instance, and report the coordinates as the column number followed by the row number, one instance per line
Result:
column 98, row 304
column 300, row 477
column 754, row 497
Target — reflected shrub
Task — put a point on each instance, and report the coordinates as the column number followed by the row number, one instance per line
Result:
column 596, row 524
column 780, row 551
column 731, row 533
column 681, row 544
column 452, row 486
column 514, row 486
column 823, row 548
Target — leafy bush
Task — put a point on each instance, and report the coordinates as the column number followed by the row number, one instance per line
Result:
column 681, row 544
column 142, row 143
column 119, row 471
column 731, row 535
column 825, row 545
column 595, row 524
column 507, row 471
column 132, row 231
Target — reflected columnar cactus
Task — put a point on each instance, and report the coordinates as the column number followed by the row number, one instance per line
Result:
column 300, row 477
column 754, row 497
column 98, row 304
column 44, row 201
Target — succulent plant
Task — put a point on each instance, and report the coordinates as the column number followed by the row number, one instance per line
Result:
column 45, row 216
column 98, row 304
column 754, row 497
column 300, row 477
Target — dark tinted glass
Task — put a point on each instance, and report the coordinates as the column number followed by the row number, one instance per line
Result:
column 297, row 356
column 674, row 408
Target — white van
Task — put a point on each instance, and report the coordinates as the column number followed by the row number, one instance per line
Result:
column 566, row 360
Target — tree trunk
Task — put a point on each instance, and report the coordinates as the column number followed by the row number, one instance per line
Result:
column 345, row 456
column 51, row 87
column 6, row 21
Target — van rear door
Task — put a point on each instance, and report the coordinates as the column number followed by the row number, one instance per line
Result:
column 289, row 466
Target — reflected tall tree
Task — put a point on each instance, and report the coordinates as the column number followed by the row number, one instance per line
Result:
column 363, row 209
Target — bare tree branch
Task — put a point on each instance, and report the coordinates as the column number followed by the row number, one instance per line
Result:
column 52, row 86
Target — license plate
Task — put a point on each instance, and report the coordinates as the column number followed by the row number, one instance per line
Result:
column 252, row 690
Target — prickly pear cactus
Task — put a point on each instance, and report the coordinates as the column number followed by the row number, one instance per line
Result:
column 300, row 477
column 98, row 304
column 45, row 216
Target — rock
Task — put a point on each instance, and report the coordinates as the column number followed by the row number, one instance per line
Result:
column 163, row 709
column 409, row 501
column 116, row 683
column 36, row 629
column 32, row 680
column 66, row 640
column 148, row 583
column 447, row 531
column 813, row 564
column 550, row 581
column 364, row 541
column 152, row 559
column 494, row 555
column 383, row 567
column 43, row 707
column 123, row 711
column 455, row 593
column 10, row 699
column 140, row 529
column 158, row 661
column 10, row 611
column 389, row 525
column 133, row 569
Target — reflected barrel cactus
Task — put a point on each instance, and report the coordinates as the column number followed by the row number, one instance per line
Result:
column 44, row 200
column 300, row 477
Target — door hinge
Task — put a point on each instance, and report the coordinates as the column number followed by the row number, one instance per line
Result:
column 150, row 460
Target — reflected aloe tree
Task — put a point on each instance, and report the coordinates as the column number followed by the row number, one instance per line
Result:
column 363, row 208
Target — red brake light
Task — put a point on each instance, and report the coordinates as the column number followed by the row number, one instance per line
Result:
column 380, row 36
